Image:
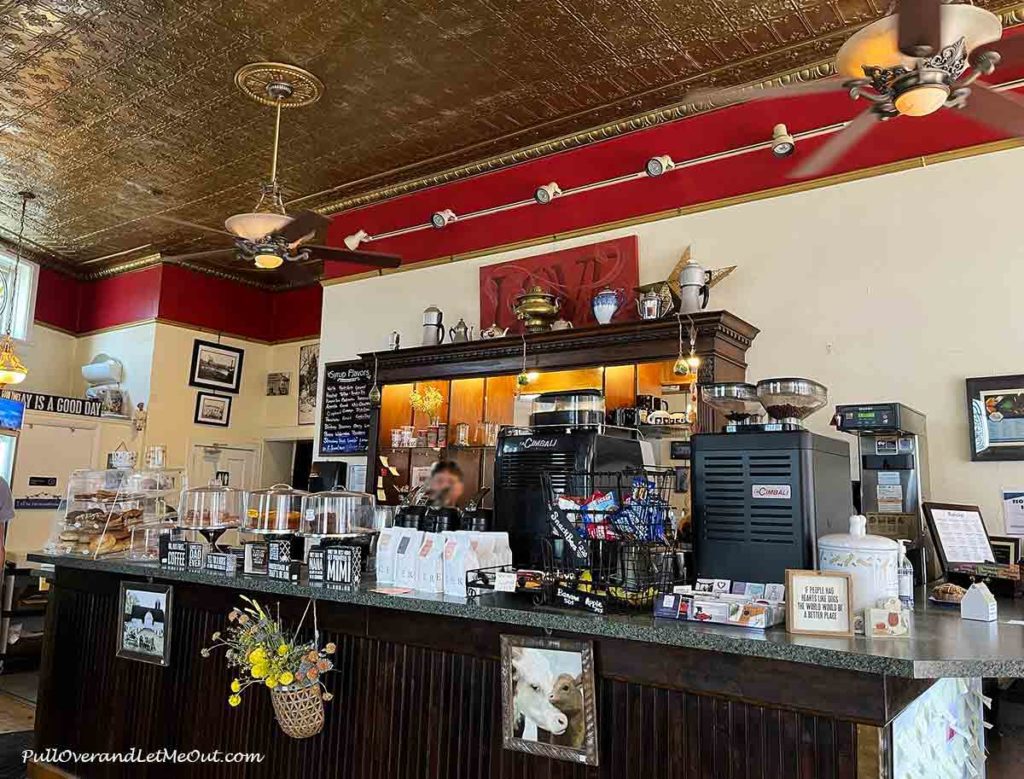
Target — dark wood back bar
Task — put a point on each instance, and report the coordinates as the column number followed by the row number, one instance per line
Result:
column 418, row 697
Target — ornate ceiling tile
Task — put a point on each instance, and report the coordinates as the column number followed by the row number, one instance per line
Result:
column 114, row 111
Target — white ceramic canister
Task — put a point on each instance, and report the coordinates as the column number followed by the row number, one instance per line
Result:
column 872, row 561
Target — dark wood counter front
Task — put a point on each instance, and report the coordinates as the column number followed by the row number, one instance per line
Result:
column 418, row 696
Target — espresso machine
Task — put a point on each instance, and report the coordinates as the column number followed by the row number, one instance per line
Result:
column 893, row 455
column 764, row 492
column 566, row 435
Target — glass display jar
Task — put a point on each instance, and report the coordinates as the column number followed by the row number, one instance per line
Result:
column 161, row 489
column 277, row 509
column 210, row 508
column 339, row 513
column 97, row 515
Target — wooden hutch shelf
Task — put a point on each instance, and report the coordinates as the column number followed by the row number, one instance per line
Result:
column 477, row 379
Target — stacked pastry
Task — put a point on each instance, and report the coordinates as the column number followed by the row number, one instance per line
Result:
column 99, row 530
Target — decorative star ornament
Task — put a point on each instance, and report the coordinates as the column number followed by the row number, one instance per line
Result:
column 673, row 278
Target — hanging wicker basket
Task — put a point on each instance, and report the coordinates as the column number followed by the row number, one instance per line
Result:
column 300, row 712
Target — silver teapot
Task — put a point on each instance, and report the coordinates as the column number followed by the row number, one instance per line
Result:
column 494, row 332
column 651, row 305
column 461, row 333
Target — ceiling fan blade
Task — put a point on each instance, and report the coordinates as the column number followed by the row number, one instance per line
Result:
column 1000, row 110
column 919, row 27
column 747, row 94
column 199, row 255
column 1009, row 50
column 297, row 273
column 838, row 145
column 304, row 223
column 193, row 225
column 374, row 259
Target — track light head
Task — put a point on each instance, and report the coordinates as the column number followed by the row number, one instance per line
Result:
column 352, row 241
column 783, row 144
column 545, row 194
column 658, row 165
column 442, row 218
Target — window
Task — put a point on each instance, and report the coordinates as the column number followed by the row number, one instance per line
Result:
column 24, row 295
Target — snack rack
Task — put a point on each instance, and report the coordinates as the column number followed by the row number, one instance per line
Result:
column 612, row 539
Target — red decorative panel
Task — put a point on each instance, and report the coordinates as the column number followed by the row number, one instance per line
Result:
column 296, row 313
column 57, row 300
column 119, row 300
column 575, row 275
column 216, row 304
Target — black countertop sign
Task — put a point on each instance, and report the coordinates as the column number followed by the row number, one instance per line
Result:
column 345, row 408
column 941, row 645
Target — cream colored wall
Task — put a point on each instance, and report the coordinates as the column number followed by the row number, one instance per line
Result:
column 282, row 412
column 891, row 288
column 134, row 346
column 48, row 355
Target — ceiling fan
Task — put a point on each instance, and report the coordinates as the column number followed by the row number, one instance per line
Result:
column 925, row 55
column 268, row 236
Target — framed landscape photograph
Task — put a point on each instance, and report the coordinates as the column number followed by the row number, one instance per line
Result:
column 213, row 409
column 995, row 412
column 144, row 633
column 549, row 706
column 216, row 366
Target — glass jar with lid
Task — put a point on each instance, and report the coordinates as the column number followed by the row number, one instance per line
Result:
column 571, row 407
column 212, row 507
column 339, row 513
column 276, row 509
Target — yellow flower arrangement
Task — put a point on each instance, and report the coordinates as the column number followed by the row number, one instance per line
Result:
column 264, row 654
column 428, row 400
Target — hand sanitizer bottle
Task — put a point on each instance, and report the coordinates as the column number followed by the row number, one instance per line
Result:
column 905, row 575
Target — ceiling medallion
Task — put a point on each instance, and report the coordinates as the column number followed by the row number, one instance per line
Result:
column 277, row 83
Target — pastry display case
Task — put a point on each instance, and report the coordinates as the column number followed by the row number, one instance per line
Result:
column 275, row 510
column 338, row 514
column 97, row 514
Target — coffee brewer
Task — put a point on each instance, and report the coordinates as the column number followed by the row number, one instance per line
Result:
column 893, row 447
column 433, row 326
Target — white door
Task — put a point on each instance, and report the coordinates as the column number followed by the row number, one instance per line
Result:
column 235, row 466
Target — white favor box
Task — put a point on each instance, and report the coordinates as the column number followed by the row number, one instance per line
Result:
column 409, row 543
column 483, row 545
column 430, row 564
column 978, row 603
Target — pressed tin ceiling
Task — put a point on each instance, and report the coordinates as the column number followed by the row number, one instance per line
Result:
column 115, row 110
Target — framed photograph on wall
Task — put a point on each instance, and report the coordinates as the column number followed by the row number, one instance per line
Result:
column 549, row 706
column 144, row 633
column 216, row 366
column 309, row 370
column 213, row 409
column 278, row 384
column 995, row 412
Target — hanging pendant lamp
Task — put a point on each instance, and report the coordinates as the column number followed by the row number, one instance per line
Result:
column 12, row 369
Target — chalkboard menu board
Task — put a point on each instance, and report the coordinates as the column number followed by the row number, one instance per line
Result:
column 345, row 413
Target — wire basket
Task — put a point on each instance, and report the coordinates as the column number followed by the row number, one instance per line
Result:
column 300, row 713
column 612, row 537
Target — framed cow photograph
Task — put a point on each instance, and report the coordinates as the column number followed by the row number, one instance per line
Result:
column 549, row 706
column 144, row 632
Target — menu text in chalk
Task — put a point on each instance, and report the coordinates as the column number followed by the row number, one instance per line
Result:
column 345, row 409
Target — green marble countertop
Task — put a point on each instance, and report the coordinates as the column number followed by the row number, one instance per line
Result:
column 941, row 644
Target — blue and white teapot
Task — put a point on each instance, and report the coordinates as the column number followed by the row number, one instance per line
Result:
column 606, row 302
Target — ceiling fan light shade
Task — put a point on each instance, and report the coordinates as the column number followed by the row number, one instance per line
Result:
column 878, row 43
column 922, row 100
column 255, row 226
column 268, row 261
column 12, row 369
